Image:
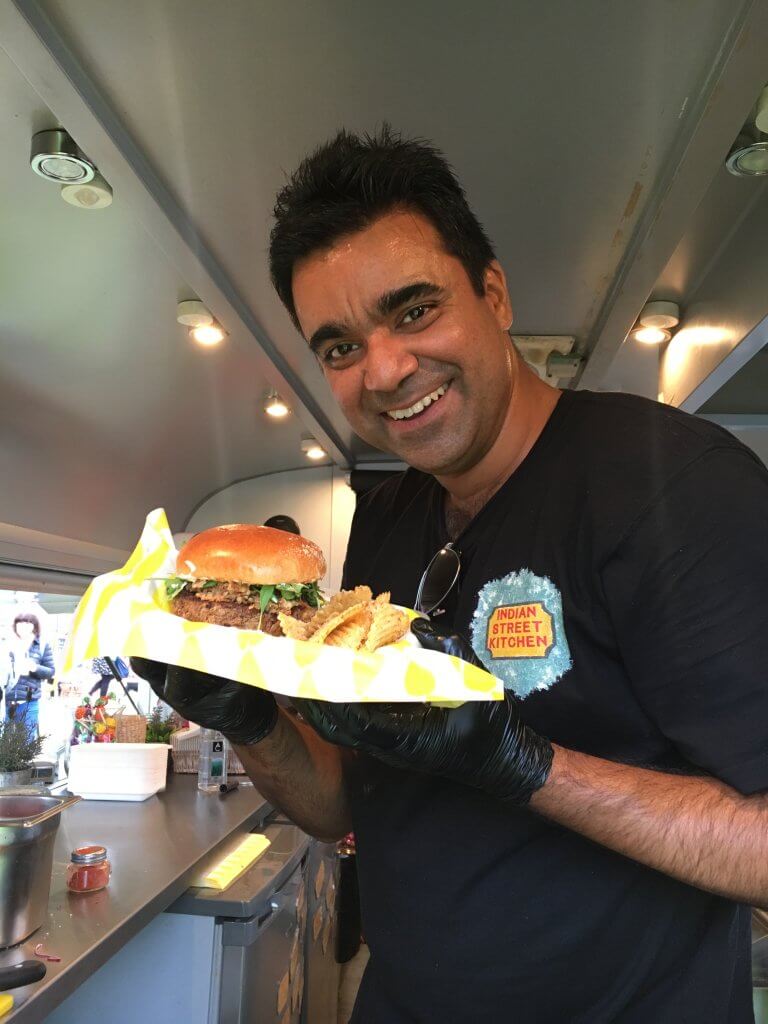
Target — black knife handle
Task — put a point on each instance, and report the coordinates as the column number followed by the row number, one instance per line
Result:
column 25, row 973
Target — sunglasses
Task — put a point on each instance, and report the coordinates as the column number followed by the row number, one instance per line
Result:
column 438, row 580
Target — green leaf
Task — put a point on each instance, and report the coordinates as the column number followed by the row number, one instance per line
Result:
column 266, row 594
column 208, row 584
column 174, row 586
column 309, row 592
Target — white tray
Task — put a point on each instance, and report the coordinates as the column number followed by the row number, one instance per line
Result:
column 118, row 771
column 118, row 796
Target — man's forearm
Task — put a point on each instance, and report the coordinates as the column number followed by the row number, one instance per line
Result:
column 302, row 775
column 695, row 829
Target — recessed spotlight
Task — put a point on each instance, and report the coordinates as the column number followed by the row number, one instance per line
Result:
column 312, row 449
column 208, row 335
column 651, row 335
column 274, row 406
column 56, row 156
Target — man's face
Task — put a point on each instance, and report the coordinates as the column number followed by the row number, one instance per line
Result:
column 420, row 365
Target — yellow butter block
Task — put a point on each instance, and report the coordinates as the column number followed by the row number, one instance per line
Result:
column 229, row 868
column 6, row 1003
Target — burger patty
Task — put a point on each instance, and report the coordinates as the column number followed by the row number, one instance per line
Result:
column 228, row 611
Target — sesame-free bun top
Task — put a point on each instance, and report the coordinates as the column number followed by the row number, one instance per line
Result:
column 244, row 553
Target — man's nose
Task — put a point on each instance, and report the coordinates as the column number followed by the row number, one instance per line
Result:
column 388, row 362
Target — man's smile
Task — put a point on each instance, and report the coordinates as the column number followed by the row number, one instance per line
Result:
column 408, row 412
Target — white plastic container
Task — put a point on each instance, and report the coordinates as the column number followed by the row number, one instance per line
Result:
column 117, row 771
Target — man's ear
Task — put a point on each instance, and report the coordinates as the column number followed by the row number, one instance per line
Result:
column 496, row 294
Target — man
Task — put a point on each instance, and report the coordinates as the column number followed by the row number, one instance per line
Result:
column 586, row 849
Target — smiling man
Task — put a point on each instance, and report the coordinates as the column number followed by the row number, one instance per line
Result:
column 586, row 849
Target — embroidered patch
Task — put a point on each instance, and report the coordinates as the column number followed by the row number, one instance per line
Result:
column 518, row 632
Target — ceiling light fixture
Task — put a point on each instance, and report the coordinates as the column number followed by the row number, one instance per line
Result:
column 652, row 335
column 748, row 157
column 274, row 406
column 655, row 323
column 95, row 194
column 56, row 156
column 193, row 313
column 312, row 449
column 208, row 335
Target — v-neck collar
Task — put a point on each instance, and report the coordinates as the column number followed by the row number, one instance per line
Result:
column 517, row 477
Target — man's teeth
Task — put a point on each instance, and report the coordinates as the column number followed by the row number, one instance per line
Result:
column 417, row 407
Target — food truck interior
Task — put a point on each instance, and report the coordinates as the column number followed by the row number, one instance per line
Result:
column 617, row 154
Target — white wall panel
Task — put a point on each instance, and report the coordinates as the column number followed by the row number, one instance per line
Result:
column 318, row 498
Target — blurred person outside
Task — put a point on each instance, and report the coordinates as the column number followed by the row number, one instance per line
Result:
column 101, row 668
column 32, row 663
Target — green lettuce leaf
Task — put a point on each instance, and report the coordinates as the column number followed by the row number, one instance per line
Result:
column 174, row 586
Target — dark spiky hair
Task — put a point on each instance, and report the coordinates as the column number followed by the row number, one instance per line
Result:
column 352, row 180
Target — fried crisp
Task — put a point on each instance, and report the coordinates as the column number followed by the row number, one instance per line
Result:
column 352, row 619
column 338, row 603
column 389, row 624
column 351, row 633
column 293, row 628
column 318, row 637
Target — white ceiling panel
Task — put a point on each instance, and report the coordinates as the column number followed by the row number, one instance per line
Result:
column 568, row 124
column 107, row 408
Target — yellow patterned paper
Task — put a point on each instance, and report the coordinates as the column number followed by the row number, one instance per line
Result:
column 126, row 612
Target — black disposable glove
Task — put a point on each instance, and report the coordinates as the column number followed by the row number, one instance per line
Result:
column 244, row 714
column 482, row 743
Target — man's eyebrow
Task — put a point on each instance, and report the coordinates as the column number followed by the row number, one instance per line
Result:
column 328, row 332
column 390, row 301
column 385, row 304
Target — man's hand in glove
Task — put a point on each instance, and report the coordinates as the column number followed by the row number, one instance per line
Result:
column 482, row 743
column 244, row 714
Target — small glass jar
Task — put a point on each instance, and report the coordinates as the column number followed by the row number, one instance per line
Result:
column 89, row 870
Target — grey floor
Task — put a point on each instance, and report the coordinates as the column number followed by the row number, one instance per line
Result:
column 351, row 973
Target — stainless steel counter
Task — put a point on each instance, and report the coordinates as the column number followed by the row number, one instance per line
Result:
column 155, row 848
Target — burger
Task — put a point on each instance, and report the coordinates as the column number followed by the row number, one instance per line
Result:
column 243, row 575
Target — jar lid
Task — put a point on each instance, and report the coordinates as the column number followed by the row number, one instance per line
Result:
column 89, row 854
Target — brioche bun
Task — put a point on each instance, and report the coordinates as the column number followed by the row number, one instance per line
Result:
column 244, row 553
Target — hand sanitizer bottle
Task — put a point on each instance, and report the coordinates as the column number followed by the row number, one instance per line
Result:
column 212, row 766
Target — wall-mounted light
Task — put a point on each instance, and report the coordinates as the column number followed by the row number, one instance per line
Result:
column 274, row 406
column 655, row 323
column 312, row 449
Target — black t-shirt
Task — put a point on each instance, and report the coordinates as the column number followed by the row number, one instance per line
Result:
column 634, row 540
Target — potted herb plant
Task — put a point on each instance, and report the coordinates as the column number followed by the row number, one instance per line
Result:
column 18, row 749
column 160, row 726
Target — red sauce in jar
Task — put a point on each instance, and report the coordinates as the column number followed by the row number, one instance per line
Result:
column 90, row 870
